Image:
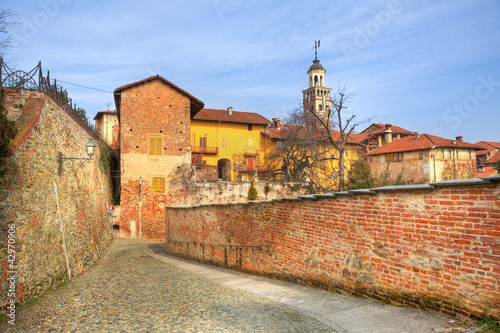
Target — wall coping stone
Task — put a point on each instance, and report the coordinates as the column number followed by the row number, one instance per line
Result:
column 362, row 191
column 325, row 195
column 494, row 178
column 403, row 187
column 455, row 182
column 307, row 197
column 344, row 193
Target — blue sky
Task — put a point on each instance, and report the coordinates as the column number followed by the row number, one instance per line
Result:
column 427, row 66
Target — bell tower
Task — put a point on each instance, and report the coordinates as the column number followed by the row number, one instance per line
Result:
column 317, row 98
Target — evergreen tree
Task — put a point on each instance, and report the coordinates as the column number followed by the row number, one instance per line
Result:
column 360, row 176
column 252, row 192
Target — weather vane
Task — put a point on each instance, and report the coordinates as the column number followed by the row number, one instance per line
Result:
column 316, row 45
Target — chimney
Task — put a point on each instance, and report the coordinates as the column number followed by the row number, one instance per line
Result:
column 388, row 133
column 417, row 135
column 460, row 138
column 276, row 123
column 230, row 110
column 379, row 141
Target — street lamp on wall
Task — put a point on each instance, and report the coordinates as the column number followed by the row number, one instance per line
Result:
column 140, row 186
column 70, row 164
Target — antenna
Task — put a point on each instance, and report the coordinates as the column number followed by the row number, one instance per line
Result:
column 108, row 105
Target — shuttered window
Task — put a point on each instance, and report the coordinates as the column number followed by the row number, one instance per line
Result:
column 155, row 144
column 158, row 184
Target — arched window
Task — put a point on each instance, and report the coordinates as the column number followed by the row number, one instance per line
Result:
column 321, row 80
column 447, row 174
column 315, row 80
column 466, row 174
column 321, row 107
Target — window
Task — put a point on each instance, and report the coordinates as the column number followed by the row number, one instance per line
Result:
column 203, row 141
column 469, row 153
column 158, row 184
column 224, row 143
column 442, row 153
column 155, row 144
column 394, row 157
column 466, row 174
column 420, row 156
column 321, row 107
column 447, row 174
column 346, row 153
column 110, row 117
column 249, row 127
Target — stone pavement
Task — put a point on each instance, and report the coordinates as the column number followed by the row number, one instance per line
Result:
column 129, row 291
column 135, row 287
column 343, row 313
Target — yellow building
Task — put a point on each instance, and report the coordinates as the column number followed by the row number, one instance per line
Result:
column 228, row 145
column 106, row 122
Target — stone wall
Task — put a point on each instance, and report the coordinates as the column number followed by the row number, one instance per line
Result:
column 151, row 222
column 433, row 246
column 29, row 208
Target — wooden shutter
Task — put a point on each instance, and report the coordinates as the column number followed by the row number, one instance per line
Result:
column 158, row 184
column 155, row 145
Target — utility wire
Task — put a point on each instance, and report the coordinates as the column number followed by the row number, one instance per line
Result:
column 79, row 85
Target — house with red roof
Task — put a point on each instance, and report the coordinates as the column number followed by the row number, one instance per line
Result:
column 377, row 135
column 228, row 144
column 425, row 158
column 487, row 157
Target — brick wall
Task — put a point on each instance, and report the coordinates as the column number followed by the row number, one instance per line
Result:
column 430, row 246
column 30, row 204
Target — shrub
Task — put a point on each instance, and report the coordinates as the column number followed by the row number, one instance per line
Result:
column 252, row 192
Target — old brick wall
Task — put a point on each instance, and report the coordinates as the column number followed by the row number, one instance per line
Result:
column 29, row 207
column 436, row 247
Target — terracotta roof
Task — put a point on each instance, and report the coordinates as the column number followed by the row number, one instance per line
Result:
column 424, row 142
column 196, row 104
column 375, row 129
column 235, row 117
column 486, row 147
column 494, row 159
column 100, row 113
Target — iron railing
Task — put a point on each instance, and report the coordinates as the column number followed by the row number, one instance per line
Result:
column 35, row 81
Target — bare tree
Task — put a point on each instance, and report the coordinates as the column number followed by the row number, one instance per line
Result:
column 336, row 125
column 5, row 23
column 299, row 153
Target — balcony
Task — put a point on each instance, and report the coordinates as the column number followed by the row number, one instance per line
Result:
column 204, row 150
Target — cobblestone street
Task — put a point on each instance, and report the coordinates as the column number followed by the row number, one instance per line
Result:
column 129, row 291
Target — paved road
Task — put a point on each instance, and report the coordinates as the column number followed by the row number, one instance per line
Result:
column 129, row 291
column 135, row 287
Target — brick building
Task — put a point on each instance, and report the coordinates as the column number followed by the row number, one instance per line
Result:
column 425, row 158
column 155, row 119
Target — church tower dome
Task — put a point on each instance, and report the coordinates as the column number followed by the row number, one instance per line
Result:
column 317, row 98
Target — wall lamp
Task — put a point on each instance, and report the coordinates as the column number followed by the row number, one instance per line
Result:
column 70, row 164
column 140, row 185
